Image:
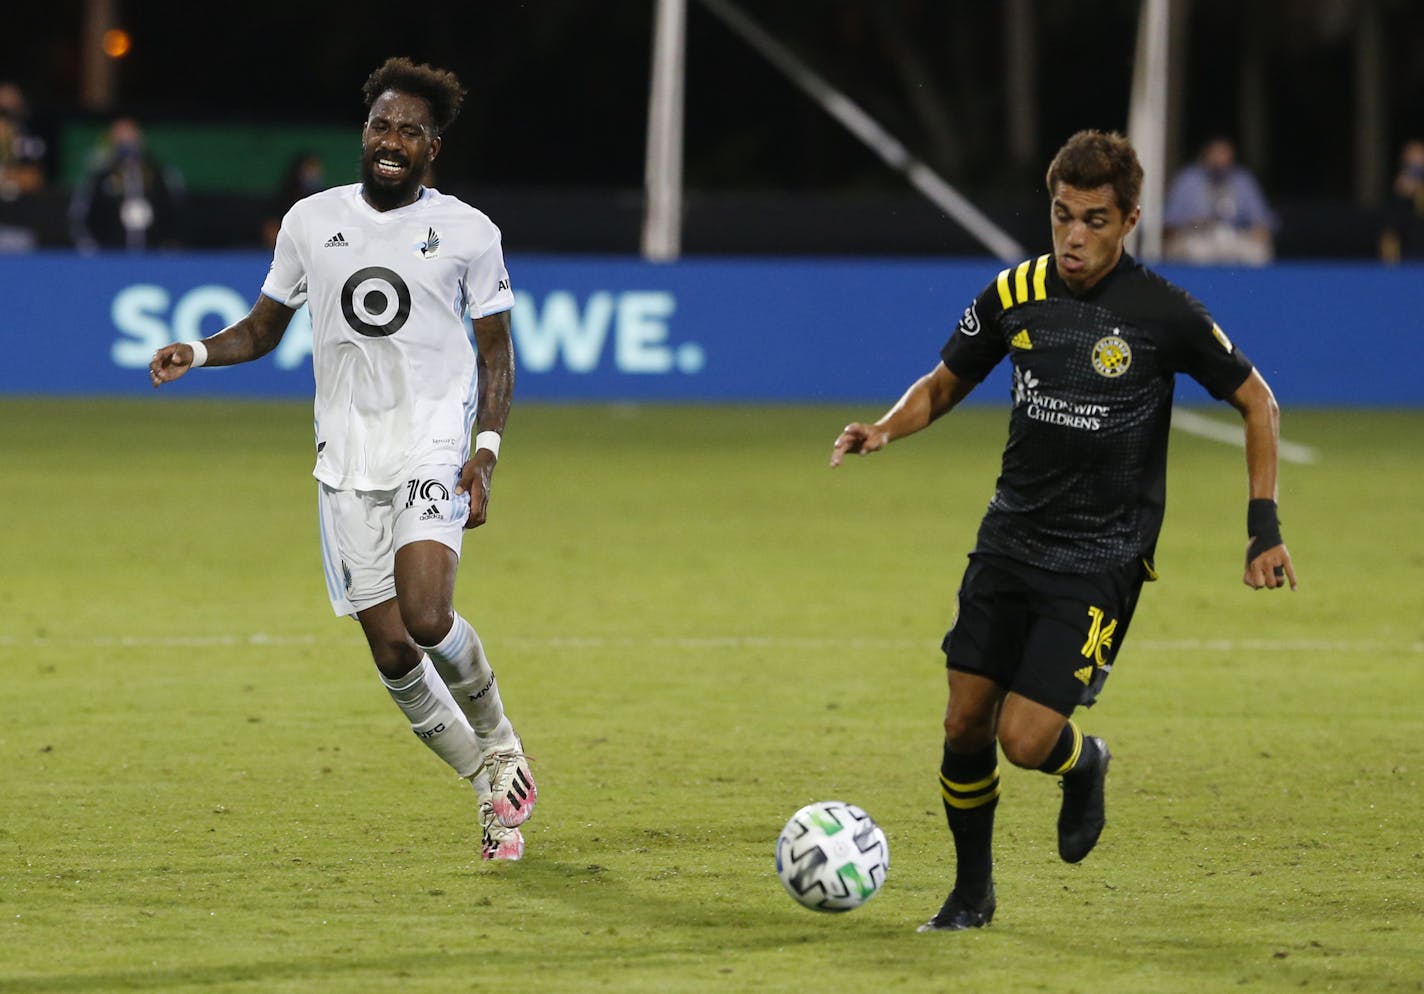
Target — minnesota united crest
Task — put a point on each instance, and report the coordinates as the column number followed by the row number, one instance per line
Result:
column 430, row 248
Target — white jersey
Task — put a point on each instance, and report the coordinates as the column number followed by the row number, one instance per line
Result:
column 388, row 292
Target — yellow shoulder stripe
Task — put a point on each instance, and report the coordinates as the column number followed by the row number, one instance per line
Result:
column 1040, row 278
column 1017, row 291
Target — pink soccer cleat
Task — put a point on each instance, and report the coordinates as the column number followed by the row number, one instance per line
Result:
column 511, row 784
column 497, row 841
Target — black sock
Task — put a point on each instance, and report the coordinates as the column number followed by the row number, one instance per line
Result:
column 1072, row 753
column 969, row 785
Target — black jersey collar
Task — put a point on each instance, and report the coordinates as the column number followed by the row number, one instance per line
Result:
column 1125, row 263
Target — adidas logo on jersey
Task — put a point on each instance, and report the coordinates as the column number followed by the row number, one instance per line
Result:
column 336, row 241
column 1021, row 340
column 431, row 513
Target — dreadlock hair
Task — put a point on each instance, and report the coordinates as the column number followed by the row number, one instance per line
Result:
column 1091, row 159
column 439, row 88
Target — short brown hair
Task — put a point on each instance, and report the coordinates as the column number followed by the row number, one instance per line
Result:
column 439, row 88
column 1091, row 159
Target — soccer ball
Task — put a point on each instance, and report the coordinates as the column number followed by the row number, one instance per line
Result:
column 831, row 856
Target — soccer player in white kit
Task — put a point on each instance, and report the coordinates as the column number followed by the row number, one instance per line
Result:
column 389, row 268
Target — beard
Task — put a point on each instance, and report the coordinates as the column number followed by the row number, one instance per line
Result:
column 387, row 193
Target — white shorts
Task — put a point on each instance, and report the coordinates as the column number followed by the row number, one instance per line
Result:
column 362, row 529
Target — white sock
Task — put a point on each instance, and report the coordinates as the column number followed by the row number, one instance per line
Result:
column 436, row 718
column 460, row 660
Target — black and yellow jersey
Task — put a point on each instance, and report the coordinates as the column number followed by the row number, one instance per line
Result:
column 1083, row 482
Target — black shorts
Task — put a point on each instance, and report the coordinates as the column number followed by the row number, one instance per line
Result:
column 1051, row 637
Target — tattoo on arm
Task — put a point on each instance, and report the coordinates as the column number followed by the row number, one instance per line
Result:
column 495, row 362
column 252, row 337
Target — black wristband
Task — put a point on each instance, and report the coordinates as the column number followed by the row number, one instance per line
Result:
column 1262, row 527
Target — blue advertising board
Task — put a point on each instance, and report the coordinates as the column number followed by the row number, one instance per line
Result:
column 764, row 329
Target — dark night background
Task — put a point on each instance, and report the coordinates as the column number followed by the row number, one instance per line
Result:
column 554, row 126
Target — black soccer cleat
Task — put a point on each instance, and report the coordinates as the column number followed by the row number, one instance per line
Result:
column 1084, row 811
column 959, row 914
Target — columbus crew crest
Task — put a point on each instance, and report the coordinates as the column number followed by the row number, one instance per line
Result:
column 1111, row 356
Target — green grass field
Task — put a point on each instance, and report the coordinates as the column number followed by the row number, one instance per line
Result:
column 698, row 628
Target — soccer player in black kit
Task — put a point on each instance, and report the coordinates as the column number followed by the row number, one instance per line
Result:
column 1096, row 341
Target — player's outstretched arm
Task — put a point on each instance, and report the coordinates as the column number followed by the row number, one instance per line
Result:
column 250, row 338
column 494, row 358
column 928, row 398
column 1268, row 561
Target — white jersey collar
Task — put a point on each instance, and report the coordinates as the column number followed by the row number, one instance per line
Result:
column 399, row 212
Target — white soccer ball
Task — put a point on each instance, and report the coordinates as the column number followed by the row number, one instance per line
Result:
column 831, row 856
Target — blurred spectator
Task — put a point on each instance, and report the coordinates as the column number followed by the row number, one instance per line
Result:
column 129, row 198
column 305, row 174
column 22, row 154
column 1216, row 213
column 22, row 166
column 1402, row 235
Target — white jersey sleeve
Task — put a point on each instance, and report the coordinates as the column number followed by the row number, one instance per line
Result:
column 488, row 282
column 286, row 280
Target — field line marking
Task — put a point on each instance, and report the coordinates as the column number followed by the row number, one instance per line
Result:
column 689, row 642
column 1233, row 434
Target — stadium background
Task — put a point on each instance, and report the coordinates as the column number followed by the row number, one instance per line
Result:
column 204, row 788
column 551, row 145
column 1319, row 93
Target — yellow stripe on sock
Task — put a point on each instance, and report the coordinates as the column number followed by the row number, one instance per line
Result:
column 1077, row 751
column 968, row 788
column 966, row 803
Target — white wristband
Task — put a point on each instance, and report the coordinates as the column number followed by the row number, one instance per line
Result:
column 488, row 440
column 200, row 353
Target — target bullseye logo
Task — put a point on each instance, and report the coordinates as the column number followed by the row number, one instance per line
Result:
column 375, row 302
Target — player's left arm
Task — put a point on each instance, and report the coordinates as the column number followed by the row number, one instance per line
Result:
column 494, row 362
column 1268, row 561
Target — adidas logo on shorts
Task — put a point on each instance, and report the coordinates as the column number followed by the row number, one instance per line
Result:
column 432, row 513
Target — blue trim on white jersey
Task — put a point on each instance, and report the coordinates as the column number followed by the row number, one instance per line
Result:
column 335, row 584
column 472, row 400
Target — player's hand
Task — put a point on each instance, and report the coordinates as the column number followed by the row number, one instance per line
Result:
column 859, row 438
column 169, row 363
column 1270, row 570
column 475, row 481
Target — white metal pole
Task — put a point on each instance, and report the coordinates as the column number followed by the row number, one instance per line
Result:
column 662, row 219
column 96, row 69
column 1147, row 121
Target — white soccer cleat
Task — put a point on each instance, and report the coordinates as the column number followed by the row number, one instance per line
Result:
column 511, row 783
column 497, row 841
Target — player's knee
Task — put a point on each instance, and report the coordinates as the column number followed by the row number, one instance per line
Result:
column 1023, row 750
column 968, row 732
column 427, row 624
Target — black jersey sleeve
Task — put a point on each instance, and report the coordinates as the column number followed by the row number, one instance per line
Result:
column 976, row 346
column 1201, row 349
